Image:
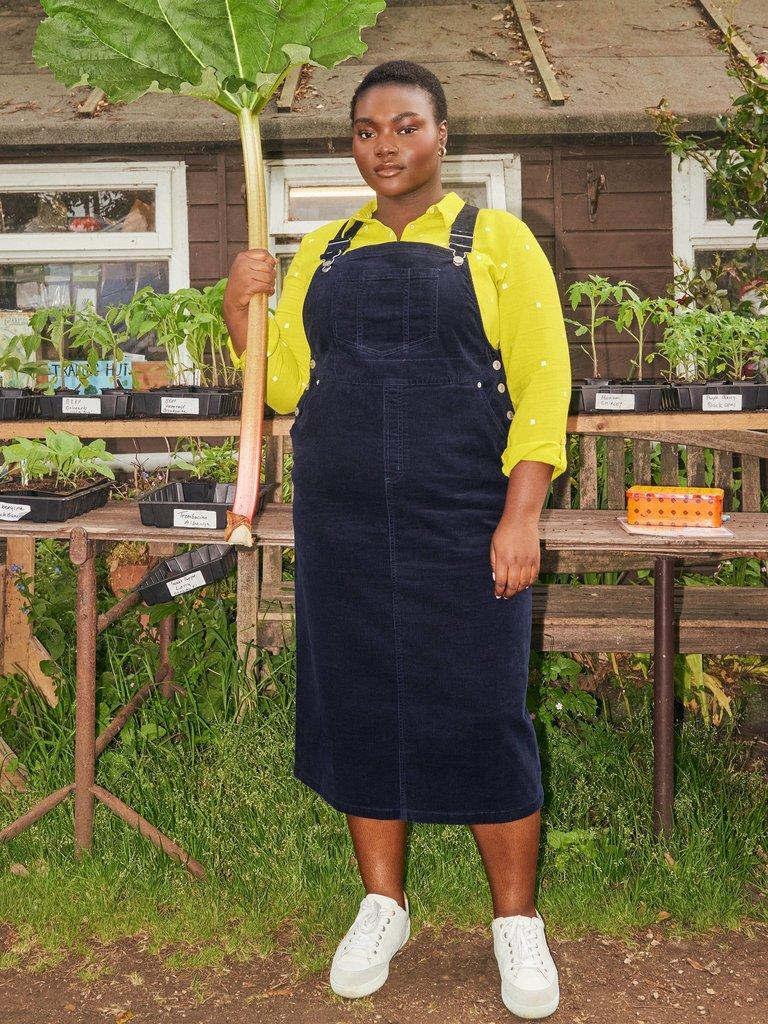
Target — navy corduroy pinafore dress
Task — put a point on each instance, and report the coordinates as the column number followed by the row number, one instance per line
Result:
column 411, row 675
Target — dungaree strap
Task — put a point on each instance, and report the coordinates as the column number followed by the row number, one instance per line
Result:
column 462, row 233
column 460, row 241
column 339, row 243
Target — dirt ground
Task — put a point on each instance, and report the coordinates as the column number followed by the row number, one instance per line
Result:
column 452, row 978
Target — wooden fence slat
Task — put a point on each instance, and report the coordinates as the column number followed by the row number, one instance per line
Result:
column 750, row 484
column 696, row 466
column 723, row 476
column 588, row 471
column 641, row 461
column 670, row 470
column 614, row 458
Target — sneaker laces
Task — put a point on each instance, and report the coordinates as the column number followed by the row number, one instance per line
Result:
column 522, row 937
column 366, row 931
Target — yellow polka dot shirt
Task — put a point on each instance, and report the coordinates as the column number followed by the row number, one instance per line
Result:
column 519, row 304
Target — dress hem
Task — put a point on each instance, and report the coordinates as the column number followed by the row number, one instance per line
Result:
column 432, row 817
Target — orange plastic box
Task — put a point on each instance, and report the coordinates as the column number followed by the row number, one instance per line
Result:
column 674, row 506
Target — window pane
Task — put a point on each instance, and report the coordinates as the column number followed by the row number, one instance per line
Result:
column 743, row 273
column 29, row 286
column 92, row 210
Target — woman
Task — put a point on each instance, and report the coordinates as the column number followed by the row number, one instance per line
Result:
column 414, row 328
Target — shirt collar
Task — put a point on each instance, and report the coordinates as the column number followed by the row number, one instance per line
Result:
column 448, row 207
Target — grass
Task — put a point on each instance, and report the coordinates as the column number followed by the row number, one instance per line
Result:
column 215, row 775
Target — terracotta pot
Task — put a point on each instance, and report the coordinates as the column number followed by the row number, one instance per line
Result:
column 125, row 577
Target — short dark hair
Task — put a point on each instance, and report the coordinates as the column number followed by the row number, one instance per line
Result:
column 404, row 72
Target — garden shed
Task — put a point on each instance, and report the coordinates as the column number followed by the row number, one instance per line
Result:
column 548, row 117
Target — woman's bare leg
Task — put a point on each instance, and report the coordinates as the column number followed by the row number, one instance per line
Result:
column 380, row 850
column 509, row 851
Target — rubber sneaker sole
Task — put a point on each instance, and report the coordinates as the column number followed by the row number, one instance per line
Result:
column 529, row 1012
column 373, row 984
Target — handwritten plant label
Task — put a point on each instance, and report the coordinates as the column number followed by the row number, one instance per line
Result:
column 614, row 400
column 195, row 518
column 184, row 583
column 78, row 406
column 721, row 403
column 171, row 405
column 11, row 513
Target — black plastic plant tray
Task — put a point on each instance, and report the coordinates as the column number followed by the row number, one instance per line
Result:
column 191, row 401
column 17, row 404
column 182, row 573
column 193, row 504
column 721, row 396
column 622, row 396
column 109, row 405
column 45, row 507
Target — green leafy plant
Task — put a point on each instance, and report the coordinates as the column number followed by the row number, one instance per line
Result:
column 633, row 317
column 735, row 159
column 17, row 362
column 61, row 456
column 206, row 333
column 699, row 345
column 52, row 325
column 208, row 461
column 96, row 337
column 598, row 291
column 150, row 311
column 235, row 55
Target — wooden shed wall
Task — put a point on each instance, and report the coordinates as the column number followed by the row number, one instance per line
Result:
column 629, row 237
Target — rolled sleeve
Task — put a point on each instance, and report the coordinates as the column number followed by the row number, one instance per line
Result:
column 534, row 351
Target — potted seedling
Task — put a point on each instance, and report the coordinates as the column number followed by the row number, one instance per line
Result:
column 54, row 479
column 17, row 371
column 207, row 343
column 202, row 500
column 634, row 317
column 172, row 319
column 99, row 342
column 709, row 358
column 598, row 393
column 52, row 326
column 236, row 55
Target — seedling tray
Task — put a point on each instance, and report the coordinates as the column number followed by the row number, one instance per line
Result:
column 109, row 405
column 35, row 506
column 723, row 396
column 182, row 573
column 191, row 401
column 622, row 396
column 17, row 404
column 193, row 504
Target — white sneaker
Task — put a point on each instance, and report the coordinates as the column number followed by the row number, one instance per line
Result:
column 529, row 982
column 361, row 962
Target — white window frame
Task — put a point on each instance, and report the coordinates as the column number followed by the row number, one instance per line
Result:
column 502, row 174
column 690, row 228
column 169, row 241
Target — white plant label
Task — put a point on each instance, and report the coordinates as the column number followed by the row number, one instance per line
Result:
column 721, row 403
column 171, row 405
column 11, row 513
column 185, row 583
column 614, row 400
column 79, row 406
column 194, row 518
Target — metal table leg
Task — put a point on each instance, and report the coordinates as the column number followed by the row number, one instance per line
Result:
column 663, row 693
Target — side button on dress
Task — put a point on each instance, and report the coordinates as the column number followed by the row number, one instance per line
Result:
column 411, row 675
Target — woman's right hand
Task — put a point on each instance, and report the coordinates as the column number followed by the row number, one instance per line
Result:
column 252, row 271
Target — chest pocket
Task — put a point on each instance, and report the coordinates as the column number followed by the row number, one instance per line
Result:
column 386, row 312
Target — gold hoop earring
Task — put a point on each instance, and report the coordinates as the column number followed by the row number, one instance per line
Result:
column 441, row 151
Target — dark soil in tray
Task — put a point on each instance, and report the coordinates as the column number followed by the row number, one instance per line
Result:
column 187, row 401
column 37, row 504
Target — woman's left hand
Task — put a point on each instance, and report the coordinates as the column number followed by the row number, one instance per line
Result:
column 515, row 555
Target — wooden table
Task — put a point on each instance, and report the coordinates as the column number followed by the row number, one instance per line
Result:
column 560, row 530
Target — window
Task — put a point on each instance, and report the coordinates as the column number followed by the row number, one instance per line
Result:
column 304, row 194
column 699, row 237
column 72, row 233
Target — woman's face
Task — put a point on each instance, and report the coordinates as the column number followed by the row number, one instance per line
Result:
column 395, row 124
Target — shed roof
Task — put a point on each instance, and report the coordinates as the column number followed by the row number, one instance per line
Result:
column 612, row 59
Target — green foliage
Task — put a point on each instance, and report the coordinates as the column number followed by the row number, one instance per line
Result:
column 61, row 455
column 735, row 159
column 209, row 461
column 598, row 291
column 17, row 364
column 52, row 325
column 699, row 345
column 96, row 338
column 235, row 54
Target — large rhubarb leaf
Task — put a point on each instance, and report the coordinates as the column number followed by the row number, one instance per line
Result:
column 234, row 52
